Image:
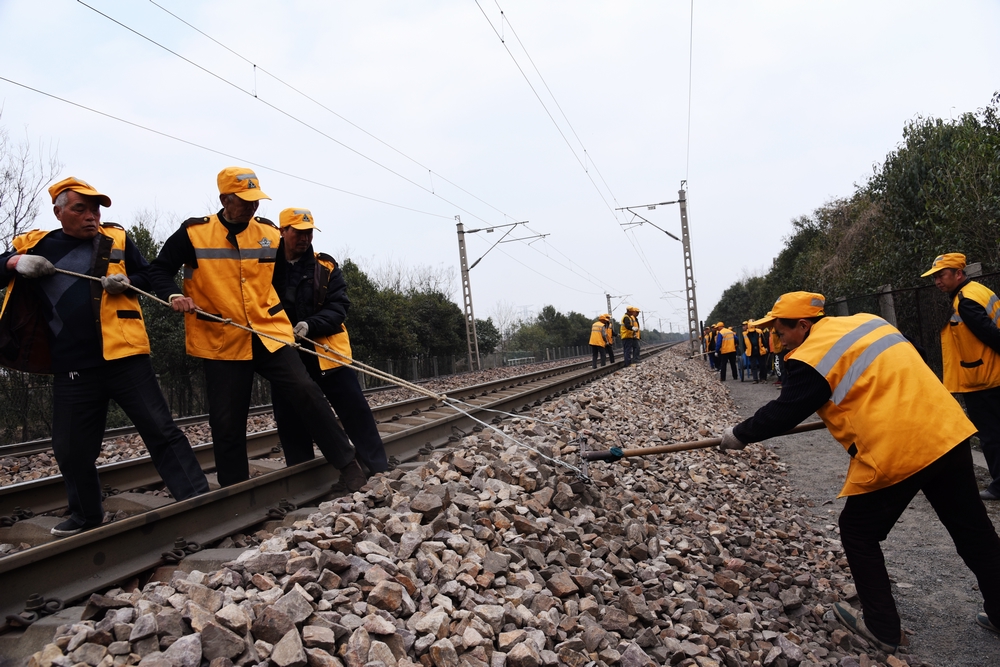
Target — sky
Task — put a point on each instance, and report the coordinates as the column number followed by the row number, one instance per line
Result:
column 388, row 119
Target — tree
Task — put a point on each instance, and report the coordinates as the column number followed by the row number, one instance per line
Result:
column 23, row 179
column 487, row 335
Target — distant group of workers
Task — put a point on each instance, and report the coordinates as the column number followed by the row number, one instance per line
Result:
column 602, row 337
column 252, row 289
column 748, row 351
column 901, row 426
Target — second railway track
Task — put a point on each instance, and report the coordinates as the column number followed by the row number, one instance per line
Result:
column 76, row 566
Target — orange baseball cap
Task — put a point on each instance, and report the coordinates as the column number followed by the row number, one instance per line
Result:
column 794, row 306
column 951, row 260
column 297, row 218
column 76, row 185
column 241, row 182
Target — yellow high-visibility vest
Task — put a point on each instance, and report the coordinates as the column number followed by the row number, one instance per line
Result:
column 887, row 408
column 233, row 282
column 969, row 363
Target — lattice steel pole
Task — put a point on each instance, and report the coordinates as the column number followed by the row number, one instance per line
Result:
column 692, row 301
column 470, row 318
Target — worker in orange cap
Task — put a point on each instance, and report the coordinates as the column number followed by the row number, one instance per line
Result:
column 904, row 434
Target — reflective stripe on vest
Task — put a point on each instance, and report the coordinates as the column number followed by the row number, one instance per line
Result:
column 886, row 408
column 233, row 283
column 969, row 364
column 626, row 329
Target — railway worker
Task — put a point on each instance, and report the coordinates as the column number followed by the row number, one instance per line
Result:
column 725, row 343
column 90, row 336
column 228, row 261
column 598, row 339
column 708, row 345
column 904, row 433
column 609, row 338
column 312, row 290
column 970, row 349
column 630, row 335
column 754, row 345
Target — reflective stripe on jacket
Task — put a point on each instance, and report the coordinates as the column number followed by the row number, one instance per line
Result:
column 118, row 316
column 339, row 342
column 233, row 282
column 726, row 341
column 597, row 334
column 970, row 364
column 887, row 408
column 626, row 329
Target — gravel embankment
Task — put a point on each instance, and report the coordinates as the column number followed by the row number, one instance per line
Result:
column 491, row 555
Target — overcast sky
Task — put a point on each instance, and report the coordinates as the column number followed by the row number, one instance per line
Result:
column 792, row 104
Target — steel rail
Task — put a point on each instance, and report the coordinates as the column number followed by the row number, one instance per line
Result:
column 42, row 445
column 48, row 494
column 77, row 566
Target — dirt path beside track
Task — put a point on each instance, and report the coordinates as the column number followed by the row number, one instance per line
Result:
column 936, row 594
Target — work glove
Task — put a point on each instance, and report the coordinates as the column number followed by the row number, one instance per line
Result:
column 34, row 266
column 730, row 441
column 115, row 283
column 635, row 328
column 301, row 329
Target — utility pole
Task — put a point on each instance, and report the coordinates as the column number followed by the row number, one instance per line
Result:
column 470, row 318
column 689, row 285
column 692, row 302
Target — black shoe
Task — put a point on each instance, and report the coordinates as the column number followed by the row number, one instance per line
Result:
column 71, row 527
column 986, row 494
column 984, row 620
column 855, row 621
column 352, row 477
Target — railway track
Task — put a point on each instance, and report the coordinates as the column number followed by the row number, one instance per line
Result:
column 73, row 567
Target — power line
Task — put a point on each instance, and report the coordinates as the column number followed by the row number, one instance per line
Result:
column 331, row 111
column 534, row 270
column 687, row 162
column 282, row 111
column 561, row 133
column 219, row 152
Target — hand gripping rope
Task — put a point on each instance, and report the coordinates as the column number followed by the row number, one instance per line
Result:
column 364, row 368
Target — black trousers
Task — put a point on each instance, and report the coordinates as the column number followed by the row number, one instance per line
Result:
column 728, row 358
column 984, row 411
column 229, row 385
column 756, row 365
column 630, row 350
column 342, row 389
column 611, row 352
column 949, row 484
column 80, row 412
column 597, row 349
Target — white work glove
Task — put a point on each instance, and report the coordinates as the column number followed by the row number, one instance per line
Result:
column 730, row 441
column 635, row 328
column 116, row 283
column 301, row 329
column 34, row 266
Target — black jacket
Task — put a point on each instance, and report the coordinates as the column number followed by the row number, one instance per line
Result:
column 311, row 292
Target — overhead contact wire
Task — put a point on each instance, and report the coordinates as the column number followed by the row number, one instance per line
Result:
column 284, row 113
column 219, row 152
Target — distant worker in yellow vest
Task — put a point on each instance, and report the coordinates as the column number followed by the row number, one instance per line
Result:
column 630, row 335
column 753, row 341
column 313, row 291
column 904, row 433
column 970, row 350
column 609, row 337
column 598, row 341
column 90, row 336
column 228, row 261
column 725, row 343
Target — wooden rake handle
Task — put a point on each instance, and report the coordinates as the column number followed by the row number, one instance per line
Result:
column 616, row 453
